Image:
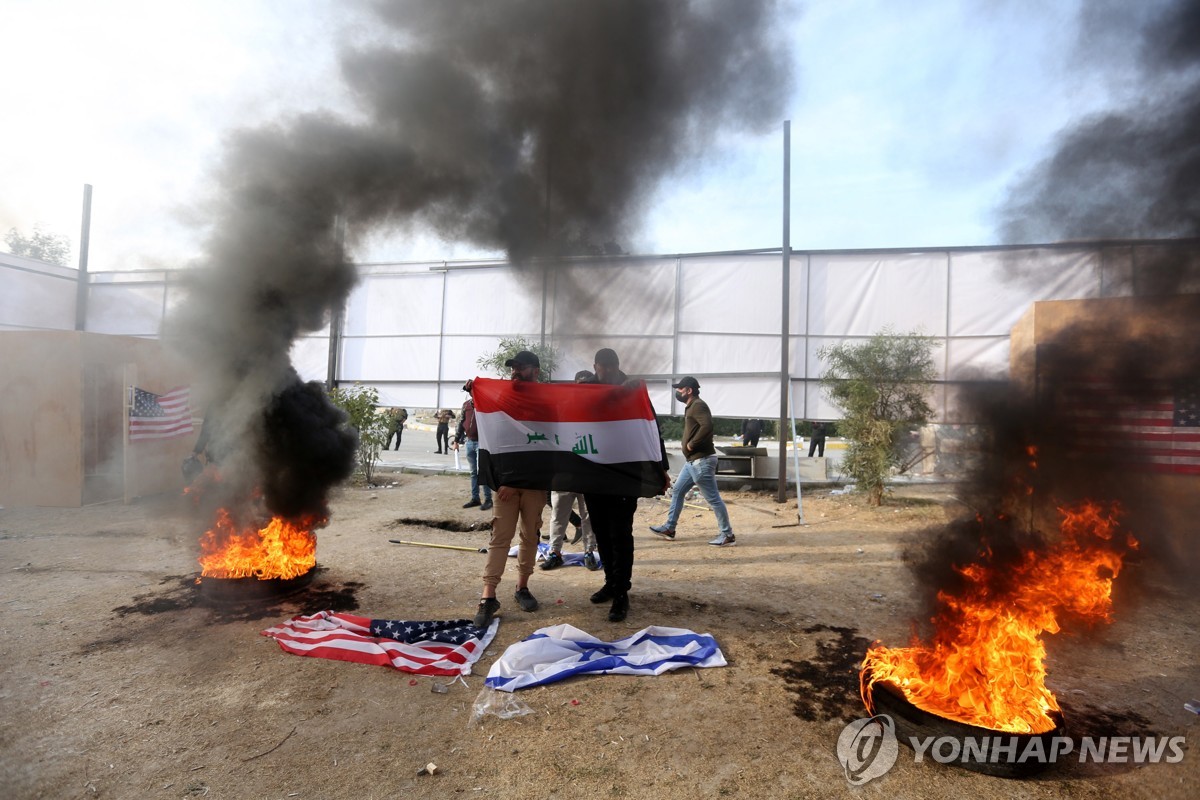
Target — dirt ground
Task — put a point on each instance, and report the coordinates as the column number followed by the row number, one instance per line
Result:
column 118, row 682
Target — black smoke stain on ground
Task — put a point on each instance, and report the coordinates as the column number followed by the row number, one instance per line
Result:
column 454, row 525
column 826, row 687
column 182, row 592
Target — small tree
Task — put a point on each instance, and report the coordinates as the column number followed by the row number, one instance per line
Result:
column 53, row 248
column 361, row 404
column 494, row 361
column 881, row 385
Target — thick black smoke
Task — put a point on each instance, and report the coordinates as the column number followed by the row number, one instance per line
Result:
column 1128, row 173
column 1133, row 172
column 537, row 127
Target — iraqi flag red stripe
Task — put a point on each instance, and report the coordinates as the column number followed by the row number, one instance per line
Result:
column 568, row 437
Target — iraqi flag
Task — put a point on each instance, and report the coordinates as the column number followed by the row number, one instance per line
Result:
column 568, row 437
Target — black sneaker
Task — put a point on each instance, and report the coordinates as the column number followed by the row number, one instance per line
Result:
column 663, row 531
column 724, row 541
column 474, row 501
column 487, row 505
column 488, row 606
column 604, row 595
column 591, row 561
column 620, row 608
column 525, row 599
column 553, row 561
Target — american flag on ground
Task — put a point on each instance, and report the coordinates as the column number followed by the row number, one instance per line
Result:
column 447, row 647
column 160, row 416
column 1156, row 428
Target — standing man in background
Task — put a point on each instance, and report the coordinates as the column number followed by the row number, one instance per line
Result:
column 443, row 430
column 817, row 445
column 701, row 467
column 468, row 433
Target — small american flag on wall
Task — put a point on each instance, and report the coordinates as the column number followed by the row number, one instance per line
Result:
column 160, row 416
column 1156, row 428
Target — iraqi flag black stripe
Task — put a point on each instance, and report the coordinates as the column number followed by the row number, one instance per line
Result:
column 568, row 437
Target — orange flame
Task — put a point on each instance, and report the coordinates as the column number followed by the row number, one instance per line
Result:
column 281, row 549
column 985, row 664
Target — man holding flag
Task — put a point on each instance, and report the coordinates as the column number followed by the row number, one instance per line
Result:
column 598, row 439
column 512, row 503
column 612, row 514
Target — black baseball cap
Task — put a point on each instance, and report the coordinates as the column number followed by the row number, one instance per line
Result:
column 524, row 359
column 607, row 357
column 686, row 383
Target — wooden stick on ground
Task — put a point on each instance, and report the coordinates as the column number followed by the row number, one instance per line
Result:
column 441, row 546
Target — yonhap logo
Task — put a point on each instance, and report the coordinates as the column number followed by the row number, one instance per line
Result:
column 867, row 748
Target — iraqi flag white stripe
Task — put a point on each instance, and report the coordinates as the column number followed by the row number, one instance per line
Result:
column 614, row 442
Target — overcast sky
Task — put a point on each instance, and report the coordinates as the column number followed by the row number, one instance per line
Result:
column 909, row 120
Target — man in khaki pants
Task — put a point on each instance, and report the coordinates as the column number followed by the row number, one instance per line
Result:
column 513, row 504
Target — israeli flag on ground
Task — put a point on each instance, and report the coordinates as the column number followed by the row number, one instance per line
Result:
column 551, row 654
column 543, row 550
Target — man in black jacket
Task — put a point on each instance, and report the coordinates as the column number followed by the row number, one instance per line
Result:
column 612, row 515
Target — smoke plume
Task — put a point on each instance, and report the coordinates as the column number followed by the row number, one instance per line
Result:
column 536, row 127
column 1133, row 172
column 1068, row 435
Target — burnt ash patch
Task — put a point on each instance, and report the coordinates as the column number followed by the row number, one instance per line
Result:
column 454, row 525
column 182, row 592
column 826, row 687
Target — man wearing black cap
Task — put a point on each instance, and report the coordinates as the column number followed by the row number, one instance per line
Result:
column 612, row 515
column 701, row 467
column 513, row 503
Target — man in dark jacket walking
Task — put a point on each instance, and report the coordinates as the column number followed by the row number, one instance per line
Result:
column 701, row 467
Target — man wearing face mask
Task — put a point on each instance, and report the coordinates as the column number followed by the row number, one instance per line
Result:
column 700, row 470
column 513, row 504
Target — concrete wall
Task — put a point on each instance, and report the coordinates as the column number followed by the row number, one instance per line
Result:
column 63, row 419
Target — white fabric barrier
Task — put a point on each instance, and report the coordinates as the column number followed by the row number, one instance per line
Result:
column 416, row 331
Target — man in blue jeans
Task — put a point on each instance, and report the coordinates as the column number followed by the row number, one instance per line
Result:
column 701, row 467
column 468, row 431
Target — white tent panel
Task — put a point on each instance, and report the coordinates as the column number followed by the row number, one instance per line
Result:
column 32, row 300
column 310, row 357
column 131, row 310
column 459, row 357
column 817, row 366
column 727, row 294
column 977, row 358
column 395, row 304
column 798, row 266
column 385, row 358
column 989, row 291
column 638, row 355
column 701, row 353
column 816, row 405
column 406, row 395
column 861, row 295
column 635, row 298
column 492, row 301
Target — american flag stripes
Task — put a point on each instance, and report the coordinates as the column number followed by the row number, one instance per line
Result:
column 1156, row 428
column 155, row 416
column 446, row 647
